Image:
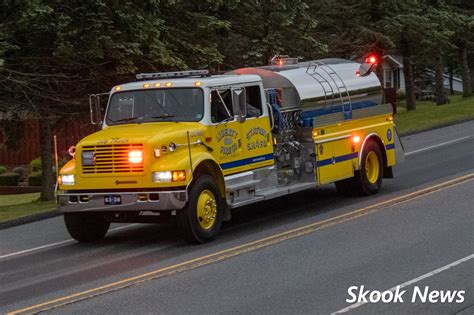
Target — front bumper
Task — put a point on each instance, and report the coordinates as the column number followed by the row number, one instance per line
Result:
column 91, row 201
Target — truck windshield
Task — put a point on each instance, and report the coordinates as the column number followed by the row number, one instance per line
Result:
column 155, row 105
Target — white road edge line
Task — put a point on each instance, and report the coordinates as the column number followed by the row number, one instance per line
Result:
column 122, row 227
column 410, row 282
column 58, row 243
column 438, row 145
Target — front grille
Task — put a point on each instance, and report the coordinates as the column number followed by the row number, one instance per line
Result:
column 112, row 158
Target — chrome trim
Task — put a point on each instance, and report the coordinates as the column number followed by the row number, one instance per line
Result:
column 333, row 139
column 167, row 200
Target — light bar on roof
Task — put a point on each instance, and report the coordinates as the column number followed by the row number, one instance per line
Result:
column 176, row 74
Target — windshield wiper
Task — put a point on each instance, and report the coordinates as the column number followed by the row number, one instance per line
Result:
column 163, row 116
column 123, row 119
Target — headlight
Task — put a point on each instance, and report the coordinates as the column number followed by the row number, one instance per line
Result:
column 67, row 179
column 161, row 177
column 167, row 177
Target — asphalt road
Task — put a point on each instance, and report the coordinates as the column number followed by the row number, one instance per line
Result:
column 296, row 254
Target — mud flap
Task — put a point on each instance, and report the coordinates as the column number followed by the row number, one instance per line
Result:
column 388, row 172
column 399, row 149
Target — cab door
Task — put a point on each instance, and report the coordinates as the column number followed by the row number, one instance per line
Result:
column 257, row 146
column 226, row 132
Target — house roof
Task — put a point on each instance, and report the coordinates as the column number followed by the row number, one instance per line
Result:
column 431, row 72
column 395, row 59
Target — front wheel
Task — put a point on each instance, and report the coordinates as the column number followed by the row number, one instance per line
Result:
column 86, row 226
column 200, row 221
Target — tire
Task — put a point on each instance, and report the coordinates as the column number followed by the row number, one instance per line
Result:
column 367, row 180
column 197, row 223
column 86, row 226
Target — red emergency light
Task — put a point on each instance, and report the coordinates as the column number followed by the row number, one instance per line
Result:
column 371, row 59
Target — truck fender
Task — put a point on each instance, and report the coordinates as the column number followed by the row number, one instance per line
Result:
column 376, row 138
column 205, row 164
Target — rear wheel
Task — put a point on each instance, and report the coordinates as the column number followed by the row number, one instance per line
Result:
column 86, row 226
column 368, row 179
column 200, row 221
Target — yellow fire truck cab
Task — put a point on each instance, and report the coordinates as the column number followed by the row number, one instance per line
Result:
column 190, row 146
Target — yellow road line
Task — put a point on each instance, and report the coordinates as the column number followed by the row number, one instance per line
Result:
column 241, row 249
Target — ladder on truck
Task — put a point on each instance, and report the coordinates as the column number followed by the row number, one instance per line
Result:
column 341, row 87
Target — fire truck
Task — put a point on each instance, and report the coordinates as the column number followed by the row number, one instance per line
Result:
column 190, row 147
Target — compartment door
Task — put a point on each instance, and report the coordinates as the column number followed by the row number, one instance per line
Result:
column 335, row 159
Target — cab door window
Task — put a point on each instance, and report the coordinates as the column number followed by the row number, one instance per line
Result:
column 254, row 101
column 221, row 106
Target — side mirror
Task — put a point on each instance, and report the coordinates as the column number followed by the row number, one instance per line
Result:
column 95, row 101
column 239, row 100
column 272, row 117
column 366, row 68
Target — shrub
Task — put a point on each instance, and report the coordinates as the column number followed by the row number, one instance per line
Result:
column 9, row 179
column 3, row 169
column 34, row 179
column 20, row 171
column 401, row 96
column 36, row 165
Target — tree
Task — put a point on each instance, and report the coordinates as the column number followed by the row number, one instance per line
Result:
column 438, row 42
column 464, row 39
column 55, row 53
column 350, row 35
column 403, row 27
column 260, row 29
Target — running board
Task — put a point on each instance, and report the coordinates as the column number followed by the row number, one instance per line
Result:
column 246, row 184
column 247, row 201
column 270, row 193
column 241, row 187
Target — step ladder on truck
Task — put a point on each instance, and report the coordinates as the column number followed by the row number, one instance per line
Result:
column 189, row 146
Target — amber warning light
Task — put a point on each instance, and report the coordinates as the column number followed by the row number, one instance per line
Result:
column 135, row 156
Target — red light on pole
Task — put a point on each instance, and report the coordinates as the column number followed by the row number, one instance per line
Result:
column 371, row 59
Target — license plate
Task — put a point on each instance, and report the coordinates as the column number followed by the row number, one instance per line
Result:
column 112, row 200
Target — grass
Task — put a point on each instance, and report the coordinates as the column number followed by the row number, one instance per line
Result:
column 9, row 200
column 427, row 115
column 17, row 206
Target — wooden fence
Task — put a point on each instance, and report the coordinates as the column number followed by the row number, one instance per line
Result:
column 68, row 133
